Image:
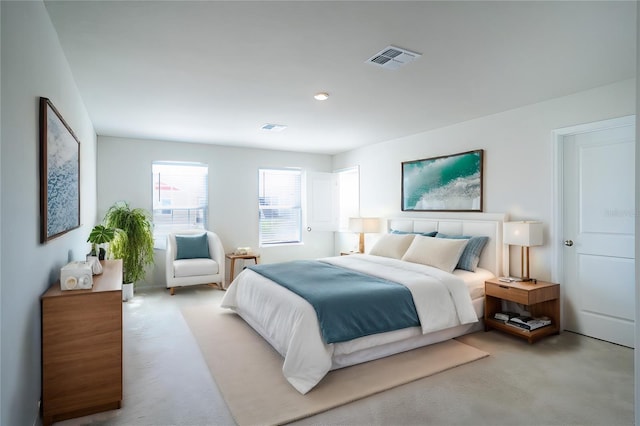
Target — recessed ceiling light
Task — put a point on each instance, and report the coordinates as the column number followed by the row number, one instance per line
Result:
column 322, row 96
column 273, row 127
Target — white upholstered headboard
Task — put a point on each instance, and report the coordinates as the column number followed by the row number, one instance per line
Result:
column 493, row 257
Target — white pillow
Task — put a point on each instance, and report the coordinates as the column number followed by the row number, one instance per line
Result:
column 441, row 253
column 392, row 245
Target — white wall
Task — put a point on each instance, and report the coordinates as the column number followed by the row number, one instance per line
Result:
column 518, row 154
column 0, row 219
column 637, row 245
column 124, row 173
column 33, row 65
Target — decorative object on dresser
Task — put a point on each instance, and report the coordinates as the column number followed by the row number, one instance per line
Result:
column 96, row 266
column 82, row 347
column 524, row 234
column 363, row 225
column 134, row 245
column 541, row 300
column 446, row 183
column 99, row 236
column 76, row 276
column 59, row 174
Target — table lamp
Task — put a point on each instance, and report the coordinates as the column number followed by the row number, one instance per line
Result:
column 524, row 234
column 364, row 225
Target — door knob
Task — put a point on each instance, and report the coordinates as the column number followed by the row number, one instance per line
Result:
column 568, row 243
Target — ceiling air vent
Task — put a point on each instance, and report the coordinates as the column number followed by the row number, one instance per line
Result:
column 393, row 57
column 270, row 127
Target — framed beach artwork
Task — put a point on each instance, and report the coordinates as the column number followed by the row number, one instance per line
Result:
column 447, row 183
column 59, row 174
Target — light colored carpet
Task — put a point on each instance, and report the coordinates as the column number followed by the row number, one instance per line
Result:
column 559, row 381
column 248, row 370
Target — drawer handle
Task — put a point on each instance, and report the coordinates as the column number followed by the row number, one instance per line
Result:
column 505, row 286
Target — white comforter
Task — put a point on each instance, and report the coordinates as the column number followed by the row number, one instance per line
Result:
column 289, row 323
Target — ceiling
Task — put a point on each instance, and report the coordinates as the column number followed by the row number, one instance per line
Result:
column 216, row 72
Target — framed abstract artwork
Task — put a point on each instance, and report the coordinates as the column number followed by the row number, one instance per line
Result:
column 448, row 183
column 59, row 174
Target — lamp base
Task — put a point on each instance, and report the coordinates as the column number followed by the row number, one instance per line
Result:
column 524, row 254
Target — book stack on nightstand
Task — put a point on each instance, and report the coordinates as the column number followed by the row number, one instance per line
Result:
column 524, row 322
column 528, row 323
column 541, row 299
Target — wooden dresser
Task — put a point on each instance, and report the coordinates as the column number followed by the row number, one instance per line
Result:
column 82, row 347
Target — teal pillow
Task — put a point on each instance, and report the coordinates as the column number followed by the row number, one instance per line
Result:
column 425, row 234
column 470, row 256
column 192, row 246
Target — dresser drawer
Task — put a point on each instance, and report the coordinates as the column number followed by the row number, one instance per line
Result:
column 507, row 292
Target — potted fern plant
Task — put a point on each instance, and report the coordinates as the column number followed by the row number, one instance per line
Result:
column 133, row 243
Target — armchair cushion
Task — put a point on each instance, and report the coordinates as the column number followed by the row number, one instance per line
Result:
column 194, row 267
column 192, row 247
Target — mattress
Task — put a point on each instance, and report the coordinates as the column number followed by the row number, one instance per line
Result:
column 378, row 346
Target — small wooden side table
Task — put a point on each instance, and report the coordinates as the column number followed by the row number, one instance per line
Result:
column 233, row 257
column 541, row 299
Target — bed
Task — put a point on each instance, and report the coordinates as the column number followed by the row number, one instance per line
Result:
column 291, row 325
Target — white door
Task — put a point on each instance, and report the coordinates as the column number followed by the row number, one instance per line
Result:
column 322, row 193
column 598, row 227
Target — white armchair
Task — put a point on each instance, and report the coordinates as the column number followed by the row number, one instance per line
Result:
column 187, row 263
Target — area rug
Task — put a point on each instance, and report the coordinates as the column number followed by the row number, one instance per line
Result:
column 248, row 371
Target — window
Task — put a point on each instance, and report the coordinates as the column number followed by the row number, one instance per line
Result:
column 349, row 190
column 279, row 204
column 180, row 198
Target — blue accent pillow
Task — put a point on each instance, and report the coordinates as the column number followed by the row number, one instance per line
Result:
column 471, row 254
column 425, row 234
column 192, row 246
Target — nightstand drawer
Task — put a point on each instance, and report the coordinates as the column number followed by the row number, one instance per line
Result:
column 507, row 292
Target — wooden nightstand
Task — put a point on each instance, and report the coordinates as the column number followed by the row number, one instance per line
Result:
column 541, row 299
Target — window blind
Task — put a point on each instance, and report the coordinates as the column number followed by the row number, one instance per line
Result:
column 180, row 198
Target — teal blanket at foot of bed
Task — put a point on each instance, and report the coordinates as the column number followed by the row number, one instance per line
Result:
column 349, row 304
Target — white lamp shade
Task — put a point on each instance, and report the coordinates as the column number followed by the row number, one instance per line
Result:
column 526, row 234
column 364, row 224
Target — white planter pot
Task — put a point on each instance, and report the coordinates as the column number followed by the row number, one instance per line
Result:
column 127, row 292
